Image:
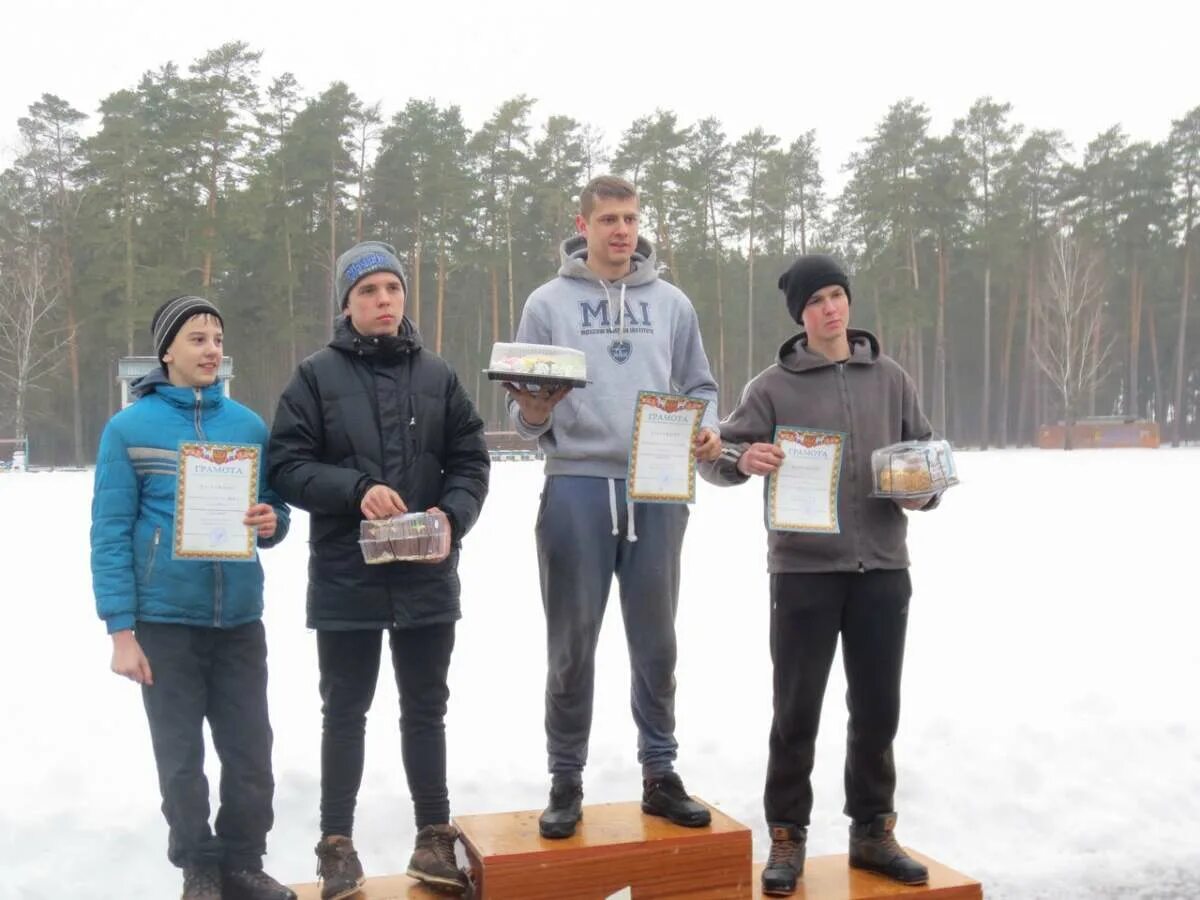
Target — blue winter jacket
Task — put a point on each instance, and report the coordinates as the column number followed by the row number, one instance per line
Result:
column 133, row 512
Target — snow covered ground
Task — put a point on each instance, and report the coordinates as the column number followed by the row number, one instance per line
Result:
column 1049, row 746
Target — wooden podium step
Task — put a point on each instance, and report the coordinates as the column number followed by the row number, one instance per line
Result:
column 831, row 878
column 616, row 846
column 390, row 887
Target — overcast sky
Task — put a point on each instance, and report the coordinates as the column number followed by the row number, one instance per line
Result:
column 787, row 65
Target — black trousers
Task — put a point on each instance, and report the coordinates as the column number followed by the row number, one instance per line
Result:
column 349, row 662
column 808, row 612
column 220, row 675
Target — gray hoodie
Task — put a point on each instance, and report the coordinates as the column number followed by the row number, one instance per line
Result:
column 639, row 333
column 872, row 400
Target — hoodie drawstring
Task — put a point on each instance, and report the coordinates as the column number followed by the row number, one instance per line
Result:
column 630, row 527
column 619, row 315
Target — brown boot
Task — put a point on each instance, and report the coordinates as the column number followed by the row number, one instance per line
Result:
column 433, row 861
column 785, row 864
column 873, row 846
column 338, row 868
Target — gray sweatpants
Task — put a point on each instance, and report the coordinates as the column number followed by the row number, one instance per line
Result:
column 578, row 554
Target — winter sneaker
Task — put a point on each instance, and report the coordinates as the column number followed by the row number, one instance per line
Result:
column 338, row 868
column 201, row 883
column 664, row 796
column 253, row 884
column 433, row 861
column 873, row 846
column 558, row 820
column 785, row 864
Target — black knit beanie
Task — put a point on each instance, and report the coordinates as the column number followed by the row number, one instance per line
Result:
column 806, row 276
column 172, row 315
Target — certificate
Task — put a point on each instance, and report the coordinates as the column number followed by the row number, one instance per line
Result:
column 662, row 460
column 217, row 483
column 802, row 492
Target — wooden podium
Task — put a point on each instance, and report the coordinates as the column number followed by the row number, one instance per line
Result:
column 831, row 878
column 615, row 846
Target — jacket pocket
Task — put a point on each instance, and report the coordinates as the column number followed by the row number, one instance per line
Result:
column 149, row 570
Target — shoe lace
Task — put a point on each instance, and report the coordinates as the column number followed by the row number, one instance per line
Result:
column 443, row 846
column 334, row 858
column 781, row 852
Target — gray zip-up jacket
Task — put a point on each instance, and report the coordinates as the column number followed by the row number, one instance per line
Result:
column 639, row 334
column 869, row 398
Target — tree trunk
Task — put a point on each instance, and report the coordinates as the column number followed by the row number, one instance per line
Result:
column 416, row 279
column 1028, row 367
column 1135, row 338
column 441, row 293
column 1014, row 302
column 130, row 312
column 1181, row 345
column 939, row 346
column 512, row 302
column 1152, row 335
column 985, row 407
column 332, row 211
column 291, row 295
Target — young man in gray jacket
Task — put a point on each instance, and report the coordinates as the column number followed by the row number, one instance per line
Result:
column 639, row 333
column 853, row 582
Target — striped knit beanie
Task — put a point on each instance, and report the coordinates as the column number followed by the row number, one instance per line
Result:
column 172, row 315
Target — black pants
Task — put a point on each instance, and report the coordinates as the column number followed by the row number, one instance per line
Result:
column 220, row 675
column 808, row 612
column 349, row 662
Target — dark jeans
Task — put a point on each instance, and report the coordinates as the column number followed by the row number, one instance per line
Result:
column 349, row 662
column 220, row 675
column 808, row 612
column 578, row 554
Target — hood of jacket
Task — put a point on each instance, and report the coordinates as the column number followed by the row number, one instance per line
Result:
column 573, row 263
column 795, row 356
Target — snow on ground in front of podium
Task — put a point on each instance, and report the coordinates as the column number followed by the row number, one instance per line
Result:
column 1048, row 746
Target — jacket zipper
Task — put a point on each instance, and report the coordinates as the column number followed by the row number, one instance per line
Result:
column 218, row 586
column 153, row 554
column 841, row 367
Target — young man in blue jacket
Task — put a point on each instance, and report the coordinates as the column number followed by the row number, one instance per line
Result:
column 190, row 632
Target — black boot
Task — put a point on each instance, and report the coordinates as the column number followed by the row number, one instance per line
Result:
column 664, row 796
column 785, row 865
column 558, row 820
column 338, row 868
column 201, row 883
column 873, row 846
column 433, row 862
column 253, row 884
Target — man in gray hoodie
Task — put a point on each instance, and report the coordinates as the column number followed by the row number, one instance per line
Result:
column 853, row 582
column 639, row 334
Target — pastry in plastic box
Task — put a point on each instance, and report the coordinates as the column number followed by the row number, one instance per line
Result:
column 537, row 364
column 412, row 537
column 913, row 469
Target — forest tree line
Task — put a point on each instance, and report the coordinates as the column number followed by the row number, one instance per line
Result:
column 1019, row 279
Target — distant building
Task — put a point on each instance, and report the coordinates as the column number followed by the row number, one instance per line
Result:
column 1100, row 431
column 131, row 368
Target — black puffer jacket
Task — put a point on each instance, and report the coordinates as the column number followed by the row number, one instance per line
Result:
column 366, row 411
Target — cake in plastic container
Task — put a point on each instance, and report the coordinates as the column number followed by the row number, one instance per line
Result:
column 913, row 469
column 412, row 537
column 539, row 364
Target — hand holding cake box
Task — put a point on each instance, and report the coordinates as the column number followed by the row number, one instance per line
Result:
column 913, row 469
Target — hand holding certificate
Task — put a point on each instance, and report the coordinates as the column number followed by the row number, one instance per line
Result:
column 802, row 493
column 217, row 492
column 662, row 461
